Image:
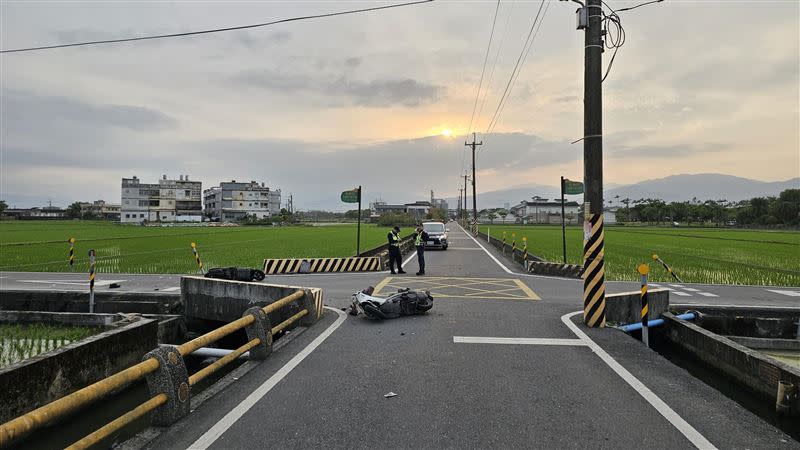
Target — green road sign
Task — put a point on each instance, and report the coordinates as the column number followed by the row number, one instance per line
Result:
column 350, row 196
column 573, row 187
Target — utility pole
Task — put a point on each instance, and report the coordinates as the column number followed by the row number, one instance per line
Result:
column 464, row 211
column 460, row 194
column 474, row 199
column 594, row 302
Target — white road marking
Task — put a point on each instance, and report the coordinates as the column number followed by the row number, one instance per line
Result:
column 73, row 283
column 464, row 248
column 655, row 285
column 677, row 421
column 682, row 294
column 677, row 285
column 782, row 292
column 210, row 436
column 171, row 289
column 708, row 294
column 519, row 341
column 691, row 289
column 410, row 257
column 486, row 251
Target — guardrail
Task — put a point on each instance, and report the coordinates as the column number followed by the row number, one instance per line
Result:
column 533, row 263
column 166, row 374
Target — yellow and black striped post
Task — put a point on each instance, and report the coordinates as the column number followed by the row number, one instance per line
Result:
column 594, row 288
column 504, row 242
column 525, row 252
column 643, row 270
column 668, row 268
column 71, row 252
column 197, row 258
column 91, row 280
column 513, row 244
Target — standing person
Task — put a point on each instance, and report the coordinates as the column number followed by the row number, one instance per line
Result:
column 419, row 243
column 395, row 257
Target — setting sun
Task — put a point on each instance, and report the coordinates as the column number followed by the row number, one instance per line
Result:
column 447, row 132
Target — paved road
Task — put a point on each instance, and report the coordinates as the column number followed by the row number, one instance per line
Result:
column 550, row 384
column 327, row 388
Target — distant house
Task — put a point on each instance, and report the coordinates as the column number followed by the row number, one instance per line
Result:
column 417, row 209
column 610, row 216
column 101, row 209
column 540, row 210
column 47, row 212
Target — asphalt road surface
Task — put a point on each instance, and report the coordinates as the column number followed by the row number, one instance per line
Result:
column 500, row 361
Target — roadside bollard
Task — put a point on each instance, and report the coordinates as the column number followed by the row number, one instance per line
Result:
column 643, row 270
column 504, row 242
column 513, row 244
column 71, row 253
column 197, row 258
column 668, row 268
column 525, row 252
column 91, row 280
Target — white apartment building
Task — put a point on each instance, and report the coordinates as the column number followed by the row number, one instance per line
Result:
column 232, row 201
column 166, row 201
column 540, row 210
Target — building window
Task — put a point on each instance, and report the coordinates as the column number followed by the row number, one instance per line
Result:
column 127, row 202
column 141, row 216
column 188, row 193
column 127, row 216
column 241, row 204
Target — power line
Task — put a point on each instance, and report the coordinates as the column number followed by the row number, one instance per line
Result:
column 483, row 71
column 215, row 30
column 636, row 6
column 494, row 64
column 514, row 73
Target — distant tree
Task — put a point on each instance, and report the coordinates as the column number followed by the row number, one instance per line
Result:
column 503, row 214
column 74, row 210
column 398, row 219
column 3, row 206
column 492, row 216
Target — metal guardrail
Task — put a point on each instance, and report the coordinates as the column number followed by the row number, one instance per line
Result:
column 16, row 429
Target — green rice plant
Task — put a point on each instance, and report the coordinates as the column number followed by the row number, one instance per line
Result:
column 19, row 342
column 698, row 255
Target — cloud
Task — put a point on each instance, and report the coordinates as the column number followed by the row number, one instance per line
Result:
column 352, row 62
column 255, row 40
column 375, row 93
column 665, row 151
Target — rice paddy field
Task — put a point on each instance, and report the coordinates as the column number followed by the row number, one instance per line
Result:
column 697, row 255
column 19, row 342
column 39, row 246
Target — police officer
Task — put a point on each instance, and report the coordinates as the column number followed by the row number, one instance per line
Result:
column 394, row 251
column 419, row 243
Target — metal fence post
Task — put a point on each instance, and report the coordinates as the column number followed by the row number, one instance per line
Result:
column 643, row 270
column 91, row 280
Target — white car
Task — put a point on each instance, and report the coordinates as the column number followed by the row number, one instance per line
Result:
column 437, row 235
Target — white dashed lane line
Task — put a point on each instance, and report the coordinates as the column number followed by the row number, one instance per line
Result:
column 785, row 292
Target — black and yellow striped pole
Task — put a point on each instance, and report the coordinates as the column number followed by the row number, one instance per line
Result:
column 668, row 268
column 594, row 288
column 91, row 280
column 513, row 244
column 525, row 252
column 643, row 270
column 504, row 242
column 197, row 258
column 71, row 252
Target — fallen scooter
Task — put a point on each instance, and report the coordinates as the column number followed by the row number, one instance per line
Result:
column 403, row 303
column 235, row 273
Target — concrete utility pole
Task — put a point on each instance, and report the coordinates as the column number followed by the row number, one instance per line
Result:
column 594, row 271
column 465, row 196
column 460, row 194
column 474, row 199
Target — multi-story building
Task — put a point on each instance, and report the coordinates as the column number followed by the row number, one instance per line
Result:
column 166, row 201
column 540, row 210
column 99, row 208
column 440, row 203
column 418, row 209
column 232, row 201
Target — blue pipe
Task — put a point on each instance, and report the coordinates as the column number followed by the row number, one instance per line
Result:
column 655, row 322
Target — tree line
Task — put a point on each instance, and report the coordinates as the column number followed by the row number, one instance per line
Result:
column 783, row 210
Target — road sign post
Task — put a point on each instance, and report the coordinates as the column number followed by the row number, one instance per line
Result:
column 354, row 196
column 569, row 188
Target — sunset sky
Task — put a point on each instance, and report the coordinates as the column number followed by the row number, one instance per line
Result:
column 319, row 106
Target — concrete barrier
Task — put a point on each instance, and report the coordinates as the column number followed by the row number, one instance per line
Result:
column 626, row 307
column 322, row 265
column 75, row 301
column 751, row 368
column 36, row 381
column 227, row 300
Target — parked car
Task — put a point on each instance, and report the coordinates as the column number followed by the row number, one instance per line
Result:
column 437, row 235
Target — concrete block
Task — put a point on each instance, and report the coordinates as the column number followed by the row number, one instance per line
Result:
column 261, row 329
column 171, row 379
column 226, row 300
column 626, row 307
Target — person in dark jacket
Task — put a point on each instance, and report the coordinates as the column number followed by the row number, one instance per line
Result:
column 395, row 257
column 419, row 243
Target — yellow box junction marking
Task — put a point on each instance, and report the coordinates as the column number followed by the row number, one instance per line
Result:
column 460, row 287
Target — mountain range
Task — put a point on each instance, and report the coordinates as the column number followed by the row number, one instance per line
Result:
column 674, row 188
